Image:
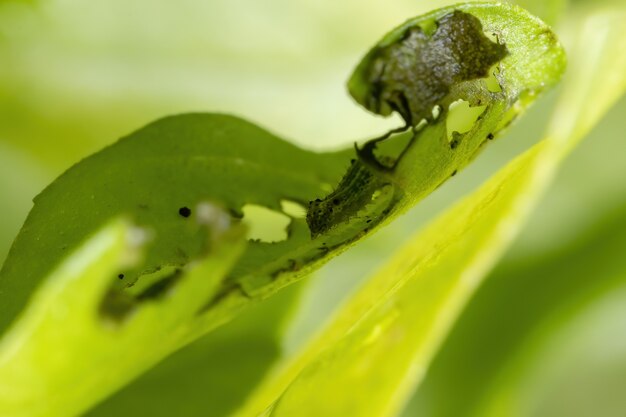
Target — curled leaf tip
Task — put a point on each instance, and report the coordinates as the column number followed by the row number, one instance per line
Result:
column 414, row 72
column 457, row 77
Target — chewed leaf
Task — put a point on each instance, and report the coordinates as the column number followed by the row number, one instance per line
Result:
column 414, row 73
column 420, row 70
column 38, row 354
column 161, row 177
column 381, row 342
column 161, row 173
column 176, row 178
column 590, row 89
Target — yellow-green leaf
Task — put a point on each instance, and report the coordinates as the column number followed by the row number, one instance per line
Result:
column 378, row 347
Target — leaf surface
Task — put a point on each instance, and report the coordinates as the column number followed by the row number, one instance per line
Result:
column 180, row 162
column 214, row 373
column 560, row 284
column 176, row 176
column 63, row 336
column 381, row 342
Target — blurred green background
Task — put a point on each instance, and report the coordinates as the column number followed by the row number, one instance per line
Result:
column 546, row 334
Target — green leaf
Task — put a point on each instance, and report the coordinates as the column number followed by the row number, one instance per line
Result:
column 178, row 162
column 173, row 176
column 550, row 11
column 381, row 342
column 184, row 160
column 214, row 373
column 559, row 285
column 64, row 337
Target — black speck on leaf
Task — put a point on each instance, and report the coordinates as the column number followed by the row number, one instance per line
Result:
column 184, row 211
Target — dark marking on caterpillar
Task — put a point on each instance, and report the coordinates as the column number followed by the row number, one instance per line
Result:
column 121, row 276
column 353, row 192
column 490, row 136
column 453, row 173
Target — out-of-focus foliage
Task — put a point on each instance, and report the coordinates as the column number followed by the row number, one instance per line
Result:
column 62, row 337
column 516, row 369
column 78, row 75
column 211, row 376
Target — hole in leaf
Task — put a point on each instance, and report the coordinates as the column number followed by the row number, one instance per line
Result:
column 293, row 209
column 491, row 81
column 461, row 117
column 264, row 224
column 391, row 148
column 492, row 36
column 436, row 111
